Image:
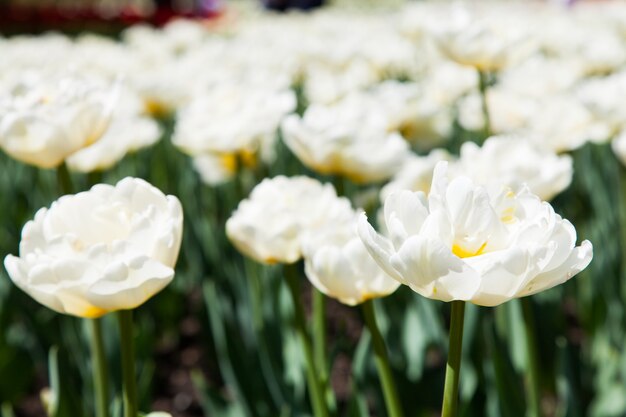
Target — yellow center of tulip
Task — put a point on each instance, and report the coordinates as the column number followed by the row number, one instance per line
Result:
column 155, row 108
column 461, row 252
column 248, row 159
column 93, row 312
column 229, row 162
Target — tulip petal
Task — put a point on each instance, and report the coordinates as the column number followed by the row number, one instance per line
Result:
column 431, row 269
column 503, row 273
column 128, row 285
column 405, row 213
column 578, row 260
column 378, row 247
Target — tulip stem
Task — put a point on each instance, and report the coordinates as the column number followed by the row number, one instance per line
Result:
column 532, row 382
column 315, row 387
column 125, row 320
column 99, row 368
column 382, row 361
column 453, row 367
column 64, row 181
column 319, row 344
column 483, row 85
column 622, row 217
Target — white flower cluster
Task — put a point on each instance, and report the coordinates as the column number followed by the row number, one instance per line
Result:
column 352, row 95
column 560, row 75
column 286, row 219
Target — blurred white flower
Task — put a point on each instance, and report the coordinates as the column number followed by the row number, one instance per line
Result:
column 562, row 123
column 366, row 50
column 23, row 53
column 129, row 130
column 324, row 84
column 232, row 118
column 215, row 168
column 462, row 243
column 485, row 42
column 509, row 161
column 415, row 110
column 338, row 264
column 46, row 117
column 603, row 97
column 515, row 162
column 416, row 173
column 349, row 139
column 589, row 40
column 269, row 226
column 110, row 248
column 508, row 111
column 540, row 76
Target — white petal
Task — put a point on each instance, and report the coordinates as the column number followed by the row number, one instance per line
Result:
column 378, row 247
column 431, row 269
column 503, row 273
column 578, row 260
column 125, row 287
column 405, row 212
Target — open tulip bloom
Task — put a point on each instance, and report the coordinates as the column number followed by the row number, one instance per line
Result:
column 107, row 249
column 461, row 243
column 48, row 117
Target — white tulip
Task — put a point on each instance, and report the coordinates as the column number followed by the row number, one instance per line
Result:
column 508, row 111
column 462, row 243
column 416, row 173
column 562, row 123
column 129, row 130
column 349, row 139
column 539, row 76
column 510, row 161
column 110, row 248
column 232, row 119
column 325, row 84
column 45, row 118
column 516, row 162
column 215, row 169
column 485, row 42
column 337, row 263
column 269, row 226
column 603, row 98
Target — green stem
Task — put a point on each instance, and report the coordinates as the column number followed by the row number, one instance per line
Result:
column 99, row 368
column 382, row 361
column 256, row 291
column 125, row 320
column 319, row 344
column 315, row 388
column 483, row 85
column 319, row 331
column 7, row 410
column 453, row 367
column 64, row 181
column 622, row 217
column 532, row 382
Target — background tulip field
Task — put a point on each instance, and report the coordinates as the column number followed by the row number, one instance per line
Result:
column 219, row 340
